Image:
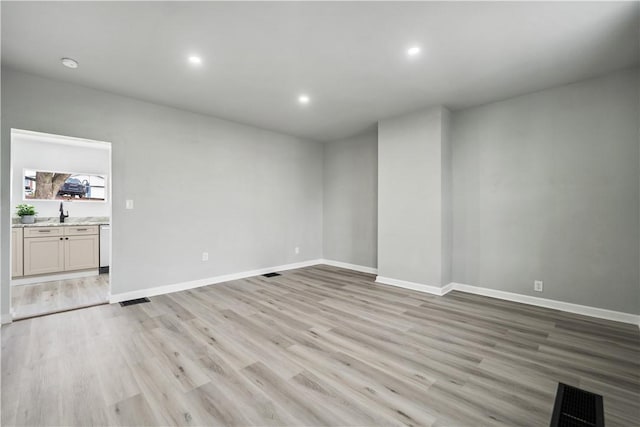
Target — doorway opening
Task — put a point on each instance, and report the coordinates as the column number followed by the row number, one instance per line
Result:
column 60, row 255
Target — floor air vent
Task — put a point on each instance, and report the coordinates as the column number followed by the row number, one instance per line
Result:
column 271, row 275
column 577, row 408
column 134, row 301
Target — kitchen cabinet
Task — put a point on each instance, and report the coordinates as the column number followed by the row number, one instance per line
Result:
column 43, row 255
column 16, row 252
column 81, row 252
column 58, row 249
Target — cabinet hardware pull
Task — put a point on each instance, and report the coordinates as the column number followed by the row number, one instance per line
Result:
column 66, row 238
column 81, row 229
column 61, row 238
column 44, row 231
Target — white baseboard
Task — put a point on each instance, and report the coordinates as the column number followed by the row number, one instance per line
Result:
column 6, row 319
column 183, row 286
column 599, row 313
column 585, row 310
column 430, row 289
column 447, row 288
column 52, row 277
column 354, row 267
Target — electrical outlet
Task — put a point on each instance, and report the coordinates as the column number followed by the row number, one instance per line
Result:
column 297, row 250
column 537, row 285
column 129, row 204
column 205, row 256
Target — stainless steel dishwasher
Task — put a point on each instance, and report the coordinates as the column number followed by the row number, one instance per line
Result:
column 105, row 240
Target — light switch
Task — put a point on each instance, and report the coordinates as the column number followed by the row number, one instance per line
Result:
column 129, row 204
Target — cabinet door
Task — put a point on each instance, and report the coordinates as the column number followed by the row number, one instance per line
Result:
column 43, row 255
column 80, row 252
column 16, row 252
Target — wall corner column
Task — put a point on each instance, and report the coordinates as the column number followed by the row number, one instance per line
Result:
column 414, row 200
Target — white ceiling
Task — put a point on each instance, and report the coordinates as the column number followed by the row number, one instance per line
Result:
column 349, row 57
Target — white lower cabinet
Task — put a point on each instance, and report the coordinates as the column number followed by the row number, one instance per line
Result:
column 43, row 255
column 58, row 249
column 16, row 252
column 81, row 252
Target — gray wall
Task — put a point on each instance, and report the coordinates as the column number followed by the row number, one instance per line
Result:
column 245, row 195
column 545, row 186
column 350, row 200
column 411, row 155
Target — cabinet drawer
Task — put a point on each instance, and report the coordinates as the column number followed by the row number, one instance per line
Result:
column 43, row 231
column 81, row 230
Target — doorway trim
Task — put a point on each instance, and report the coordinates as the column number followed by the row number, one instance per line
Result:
column 68, row 140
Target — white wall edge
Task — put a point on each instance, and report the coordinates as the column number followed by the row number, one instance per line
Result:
column 585, row 310
column 183, row 286
column 354, row 267
column 430, row 289
column 52, row 277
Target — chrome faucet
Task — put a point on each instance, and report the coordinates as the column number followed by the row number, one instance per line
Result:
column 62, row 215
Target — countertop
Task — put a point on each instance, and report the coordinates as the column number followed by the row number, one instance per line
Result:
column 55, row 222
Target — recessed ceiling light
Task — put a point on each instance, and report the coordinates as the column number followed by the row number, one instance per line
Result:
column 69, row 63
column 413, row 50
column 304, row 99
column 195, row 60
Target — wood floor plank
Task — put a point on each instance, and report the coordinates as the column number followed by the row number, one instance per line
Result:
column 58, row 295
column 133, row 411
column 239, row 390
column 315, row 346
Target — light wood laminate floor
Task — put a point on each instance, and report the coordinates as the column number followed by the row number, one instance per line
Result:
column 315, row 346
column 58, row 295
